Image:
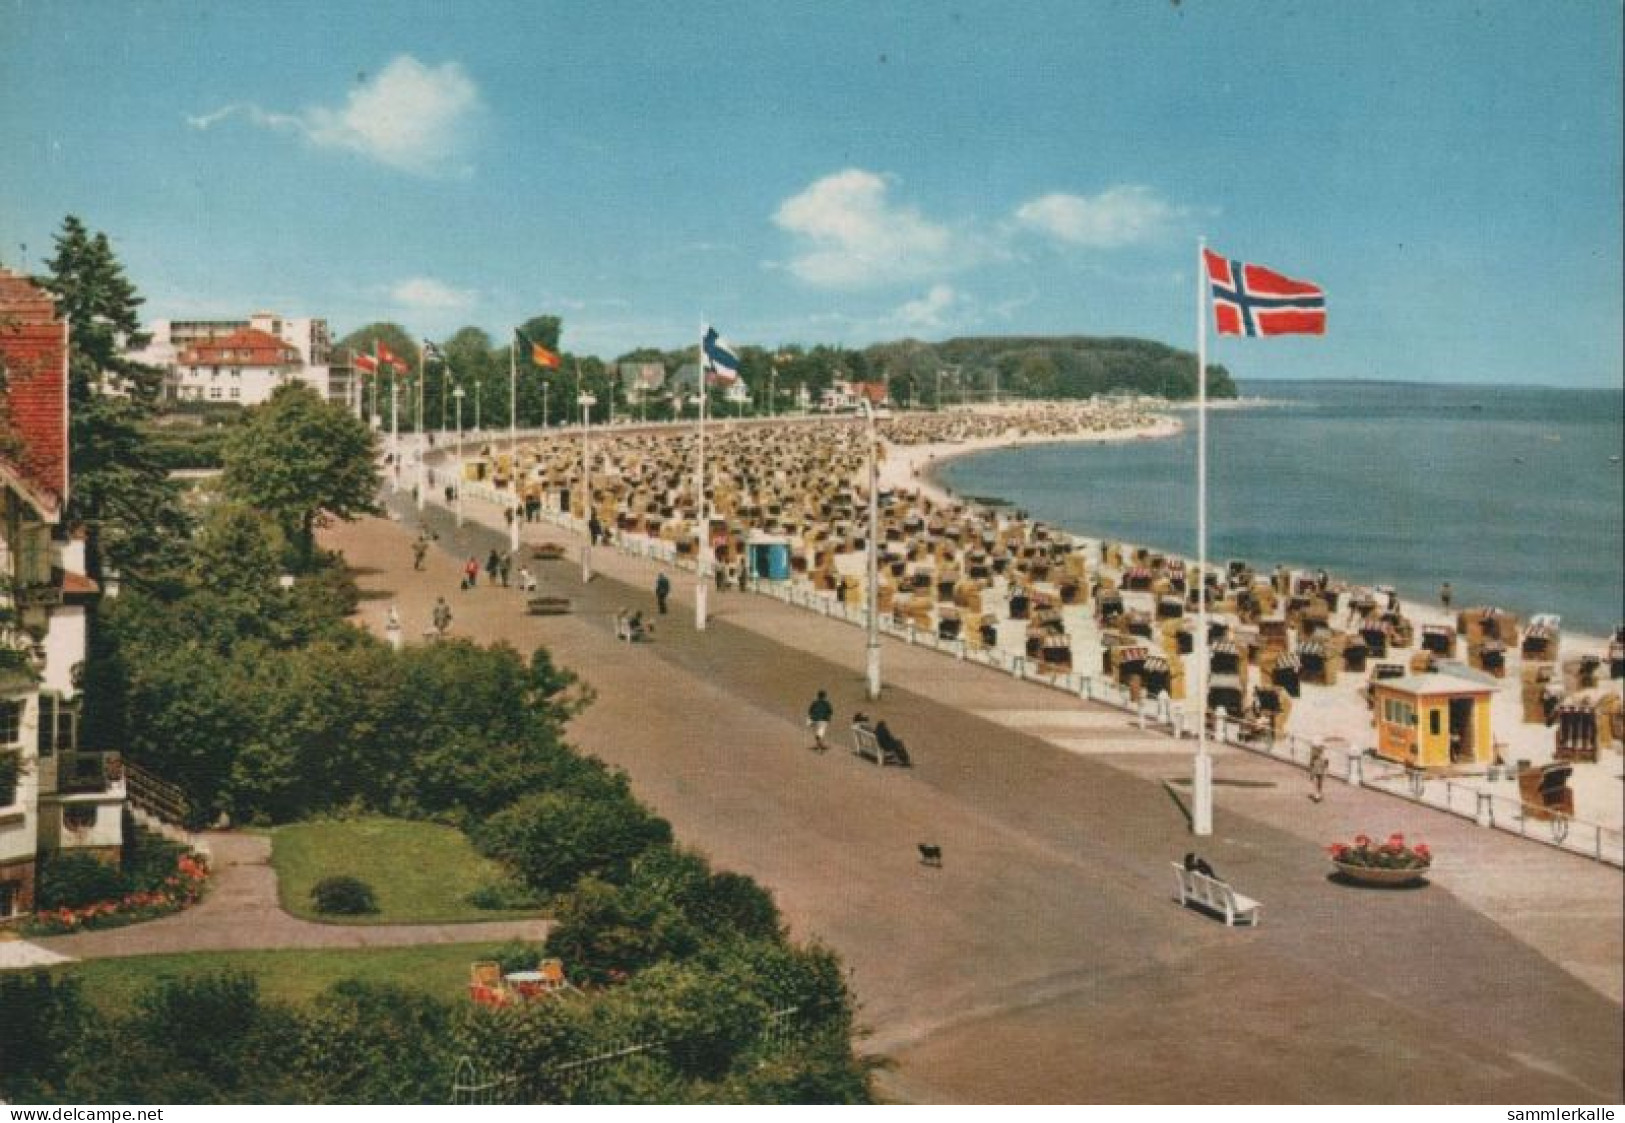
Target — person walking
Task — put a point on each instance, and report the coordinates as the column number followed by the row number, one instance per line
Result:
column 818, row 716
column 471, row 572
column 1317, row 770
column 420, row 550
column 392, row 628
column 441, row 617
column 504, row 568
column 662, row 591
column 492, row 564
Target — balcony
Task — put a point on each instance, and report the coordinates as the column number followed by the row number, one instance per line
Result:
column 85, row 773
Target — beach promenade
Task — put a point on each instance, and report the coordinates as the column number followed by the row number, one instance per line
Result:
column 1046, row 961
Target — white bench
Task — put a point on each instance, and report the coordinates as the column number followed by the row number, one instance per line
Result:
column 865, row 744
column 1211, row 893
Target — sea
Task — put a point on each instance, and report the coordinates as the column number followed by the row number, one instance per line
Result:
column 1513, row 494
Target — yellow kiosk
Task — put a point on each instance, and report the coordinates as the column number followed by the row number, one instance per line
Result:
column 1433, row 720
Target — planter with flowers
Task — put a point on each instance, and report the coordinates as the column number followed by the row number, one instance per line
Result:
column 1390, row 863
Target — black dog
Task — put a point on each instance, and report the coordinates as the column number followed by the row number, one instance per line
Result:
column 931, row 855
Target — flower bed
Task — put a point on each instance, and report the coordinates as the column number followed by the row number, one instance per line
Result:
column 1394, row 862
column 176, row 891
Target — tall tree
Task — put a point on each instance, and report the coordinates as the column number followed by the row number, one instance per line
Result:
column 300, row 459
column 120, row 491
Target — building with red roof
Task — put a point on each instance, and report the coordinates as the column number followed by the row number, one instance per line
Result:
column 52, row 796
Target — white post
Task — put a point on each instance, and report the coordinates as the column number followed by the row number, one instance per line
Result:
column 872, row 592
column 1202, row 779
column 702, row 531
column 423, row 439
column 395, row 432
column 457, row 480
column 586, row 402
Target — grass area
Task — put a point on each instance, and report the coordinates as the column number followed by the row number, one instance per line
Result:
column 420, row 873
column 295, row 975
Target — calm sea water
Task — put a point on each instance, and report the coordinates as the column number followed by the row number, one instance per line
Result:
column 1506, row 492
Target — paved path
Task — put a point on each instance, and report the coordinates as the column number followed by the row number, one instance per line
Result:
column 241, row 913
column 1046, row 960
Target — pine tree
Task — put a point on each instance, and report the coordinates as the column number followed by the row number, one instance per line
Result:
column 118, row 492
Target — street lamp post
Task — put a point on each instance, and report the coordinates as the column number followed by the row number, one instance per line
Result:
column 586, row 401
column 872, row 581
column 457, row 487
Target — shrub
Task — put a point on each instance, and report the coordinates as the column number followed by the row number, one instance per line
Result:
column 343, row 896
column 72, row 880
column 553, row 838
column 505, row 894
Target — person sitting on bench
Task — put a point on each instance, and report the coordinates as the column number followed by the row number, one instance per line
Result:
column 636, row 629
column 890, row 745
column 1199, row 865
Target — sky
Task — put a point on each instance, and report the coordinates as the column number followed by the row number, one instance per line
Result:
column 842, row 173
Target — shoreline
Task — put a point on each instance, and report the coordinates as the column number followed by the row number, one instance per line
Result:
column 920, row 466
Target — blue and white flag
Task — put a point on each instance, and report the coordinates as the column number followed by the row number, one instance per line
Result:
column 721, row 360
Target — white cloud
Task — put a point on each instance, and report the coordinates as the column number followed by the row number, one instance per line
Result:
column 409, row 116
column 928, row 311
column 1119, row 216
column 853, row 236
column 429, row 295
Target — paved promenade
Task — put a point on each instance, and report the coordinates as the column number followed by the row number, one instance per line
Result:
column 1046, row 960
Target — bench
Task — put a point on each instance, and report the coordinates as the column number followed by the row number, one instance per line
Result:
column 548, row 606
column 1211, row 893
column 865, row 744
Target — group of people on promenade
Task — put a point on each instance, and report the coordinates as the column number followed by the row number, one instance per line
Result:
column 822, row 711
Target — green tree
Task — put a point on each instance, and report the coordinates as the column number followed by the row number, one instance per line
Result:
column 121, row 492
column 301, row 459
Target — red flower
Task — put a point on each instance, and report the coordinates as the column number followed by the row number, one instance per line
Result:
column 1362, row 841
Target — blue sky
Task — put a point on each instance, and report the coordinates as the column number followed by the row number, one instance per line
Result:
column 843, row 173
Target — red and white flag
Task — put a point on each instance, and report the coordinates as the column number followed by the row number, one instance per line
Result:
column 386, row 357
column 1252, row 300
column 364, row 363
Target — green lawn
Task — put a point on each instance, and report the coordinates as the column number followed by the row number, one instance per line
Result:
column 295, row 976
column 420, row 873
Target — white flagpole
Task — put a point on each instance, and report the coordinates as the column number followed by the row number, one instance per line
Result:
column 395, row 430
column 513, row 441
column 423, row 440
column 1202, row 779
column 702, row 532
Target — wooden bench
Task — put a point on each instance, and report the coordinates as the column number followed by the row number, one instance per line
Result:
column 865, row 744
column 1211, row 893
column 548, row 606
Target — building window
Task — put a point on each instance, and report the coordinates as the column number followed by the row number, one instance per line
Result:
column 58, row 725
column 9, row 895
column 214, row 393
column 11, row 722
column 236, row 393
column 1433, row 722
column 79, row 816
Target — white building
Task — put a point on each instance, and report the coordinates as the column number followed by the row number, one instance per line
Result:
column 52, row 796
column 243, row 361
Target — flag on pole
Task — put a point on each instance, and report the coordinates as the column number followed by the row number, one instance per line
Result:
column 386, row 357
column 1252, row 300
column 540, row 355
column 721, row 359
column 364, row 363
column 432, row 352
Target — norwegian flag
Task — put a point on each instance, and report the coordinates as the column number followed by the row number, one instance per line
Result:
column 1253, row 300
